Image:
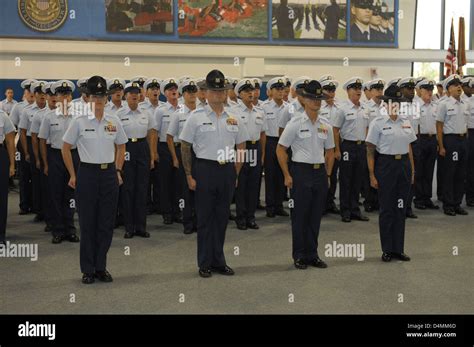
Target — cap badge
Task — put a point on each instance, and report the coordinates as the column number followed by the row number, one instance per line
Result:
column 99, row 85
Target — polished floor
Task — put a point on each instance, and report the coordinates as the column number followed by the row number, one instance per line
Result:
column 160, row 276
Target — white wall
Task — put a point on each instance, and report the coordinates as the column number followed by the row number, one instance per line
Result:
column 55, row 59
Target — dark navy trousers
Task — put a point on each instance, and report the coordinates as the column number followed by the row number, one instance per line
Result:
column 274, row 181
column 455, row 170
column 97, row 197
column 424, row 168
column 61, row 196
column 246, row 193
column 309, row 194
column 136, row 175
column 394, row 180
column 351, row 172
column 4, row 175
column 215, row 185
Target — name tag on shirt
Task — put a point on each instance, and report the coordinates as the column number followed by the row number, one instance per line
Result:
column 206, row 127
column 451, row 112
column 304, row 133
column 258, row 120
column 55, row 126
column 351, row 116
column 143, row 120
column 270, row 115
column 89, row 134
column 387, row 131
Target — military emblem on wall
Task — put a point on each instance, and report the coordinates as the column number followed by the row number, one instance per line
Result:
column 43, row 15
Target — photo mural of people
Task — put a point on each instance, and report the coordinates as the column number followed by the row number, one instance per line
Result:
column 140, row 16
column 223, row 18
column 309, row 19
column 372, row 21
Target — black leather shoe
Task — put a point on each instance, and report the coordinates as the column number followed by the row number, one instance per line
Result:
column 368, row 208
column 333, row 209
column 205, row 273
column 48, row 228
column 282, row 213
column 241, row 226
column 128, row 235
column 38, row 218
column 360, row 217
column 449, row 212
column 461, row 211
column 386, row 257
column 188, row 231
column 410, row 214
column 420, row 207
column 430, row 206
column 144, row 234
column 346, row 219
column 300, row 264
column 103, row 276
column 232, row 216
column 88, row 278
column 252, row 225
column 318, row 263
column 167, row 220
column 270, row 214
column 178, row 219
column 260, row 206
column 225, row 270
column 72, row 238
column 23, row 212
column 57, row 239
column 401, row 256
column 470, row 203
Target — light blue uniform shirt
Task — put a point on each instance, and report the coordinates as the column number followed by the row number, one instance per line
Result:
column 7, row 106
column 6, row 126
column 112, row 109
column 411, row 111
column 53, row 127
column 391, row 137
column 212, row 135
column 329, row 112
column 26, row 117
column 96, row 139
column 307, row 140
column 428, row 118
column 136, row 123
column 290, row 110
column 162, row 116
column 37, row 119
column 352, row 121
column 253, row 119
column 372, row 110
column 178, row 118
column 148, row 106
column 454, row 114
column 16, row 112
column 273, row 113
column 469, row 101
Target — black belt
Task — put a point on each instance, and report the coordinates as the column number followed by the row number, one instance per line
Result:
column 59, row 150
column 272, row 137
column 252, row 143
column 308, row 165
column 456, row 135
column 427, row 135
column 358, row 142
column 220, row 163
column 98, row 166
column 393, row 156
column 133, row 140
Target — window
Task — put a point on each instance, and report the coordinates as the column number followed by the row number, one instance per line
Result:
column 453, row 10
column 428, row 24
column 428, row 70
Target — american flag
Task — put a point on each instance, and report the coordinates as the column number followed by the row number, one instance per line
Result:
column 450, row 60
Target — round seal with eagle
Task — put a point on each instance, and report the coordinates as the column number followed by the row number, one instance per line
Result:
column 43, row 15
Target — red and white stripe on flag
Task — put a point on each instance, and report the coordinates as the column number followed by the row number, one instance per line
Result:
column 450, row 60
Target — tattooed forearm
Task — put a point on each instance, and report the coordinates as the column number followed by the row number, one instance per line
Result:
column 186, row 157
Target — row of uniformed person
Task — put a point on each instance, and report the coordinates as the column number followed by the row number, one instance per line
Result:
column 275, row 110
